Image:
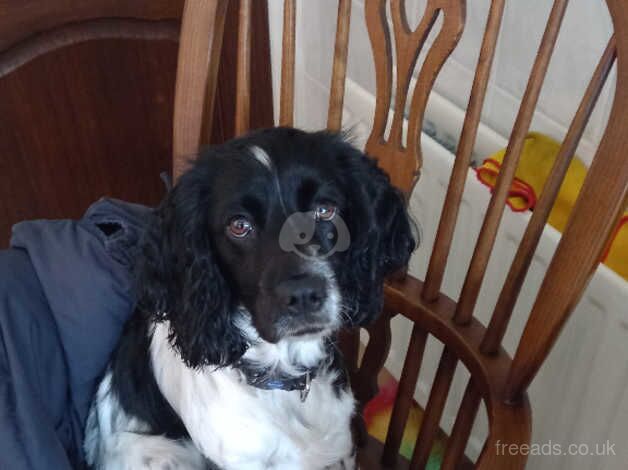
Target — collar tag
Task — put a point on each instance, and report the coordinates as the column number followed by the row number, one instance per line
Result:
column 306, row 389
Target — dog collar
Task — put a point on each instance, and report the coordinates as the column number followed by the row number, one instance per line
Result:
column 267, row 379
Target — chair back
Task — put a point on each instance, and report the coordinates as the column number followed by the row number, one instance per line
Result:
column 496, row 381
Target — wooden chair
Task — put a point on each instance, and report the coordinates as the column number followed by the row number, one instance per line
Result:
column 497, row 382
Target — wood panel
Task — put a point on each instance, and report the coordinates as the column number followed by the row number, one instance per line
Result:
column 86, row 101
column 85, row 121
column 20, row 19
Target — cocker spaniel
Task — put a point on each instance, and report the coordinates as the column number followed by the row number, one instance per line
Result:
column 264, row 249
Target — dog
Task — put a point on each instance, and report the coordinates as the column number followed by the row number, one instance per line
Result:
column 264, row 249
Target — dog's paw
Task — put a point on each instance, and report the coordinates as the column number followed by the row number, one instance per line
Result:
column 172, row 463
column 130, row 451
column 345, row 464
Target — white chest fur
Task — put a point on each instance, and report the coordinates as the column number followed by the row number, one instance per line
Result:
column 241, row 427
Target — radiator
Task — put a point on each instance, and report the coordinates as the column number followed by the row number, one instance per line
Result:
column 581, row 394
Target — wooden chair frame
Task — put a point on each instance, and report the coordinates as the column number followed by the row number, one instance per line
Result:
column 496, row 380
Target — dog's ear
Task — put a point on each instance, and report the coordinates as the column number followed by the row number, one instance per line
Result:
column 180, row 279
column 382, row 234
column 397, row 235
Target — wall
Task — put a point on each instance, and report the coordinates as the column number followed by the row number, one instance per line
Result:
column 586, row 29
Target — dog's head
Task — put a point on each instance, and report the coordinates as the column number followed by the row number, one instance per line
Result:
column 297, row 230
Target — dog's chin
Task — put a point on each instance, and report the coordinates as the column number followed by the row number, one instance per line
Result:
column 299, row 331
column 308, row 332
column 304, row 332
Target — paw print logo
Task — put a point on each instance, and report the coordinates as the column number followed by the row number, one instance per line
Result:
column 298, row 230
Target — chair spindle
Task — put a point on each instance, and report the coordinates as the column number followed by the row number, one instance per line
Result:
column 339, row 71
column 601, row 201
column 197, row 74
column 454, row 450
column 243, row 77
column 374, row 357
column 286, row 104
column 405, row 393
column 490, row 225
column 447, row 224
column 430, row 425
column 525, row 252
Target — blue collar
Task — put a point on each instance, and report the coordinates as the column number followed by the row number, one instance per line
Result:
column 268, row 379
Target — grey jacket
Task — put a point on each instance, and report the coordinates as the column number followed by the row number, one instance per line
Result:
column 66, row 289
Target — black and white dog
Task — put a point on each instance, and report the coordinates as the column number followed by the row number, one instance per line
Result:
column 262, row 251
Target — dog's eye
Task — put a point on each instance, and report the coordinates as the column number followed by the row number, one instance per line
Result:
column 240, row 227
column 325, row 212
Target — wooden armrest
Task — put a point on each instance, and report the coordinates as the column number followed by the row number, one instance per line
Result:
column 509, row 422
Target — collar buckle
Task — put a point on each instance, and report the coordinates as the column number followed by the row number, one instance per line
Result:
column 306, row 389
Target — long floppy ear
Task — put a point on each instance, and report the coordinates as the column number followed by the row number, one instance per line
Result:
column 397, row 235
column 180, row 279
column 382, row 235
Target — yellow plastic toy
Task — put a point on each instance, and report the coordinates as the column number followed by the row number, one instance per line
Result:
column 537, row 159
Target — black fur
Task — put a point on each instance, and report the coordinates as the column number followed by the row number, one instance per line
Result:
column 382, row 235
column 134, row 384
column 180, row 279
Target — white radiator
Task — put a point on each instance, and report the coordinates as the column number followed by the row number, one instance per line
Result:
column 581, row 394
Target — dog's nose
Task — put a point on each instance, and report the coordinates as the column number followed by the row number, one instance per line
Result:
column 302, row 294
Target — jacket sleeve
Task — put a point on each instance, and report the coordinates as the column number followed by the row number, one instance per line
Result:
column 35, row 425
